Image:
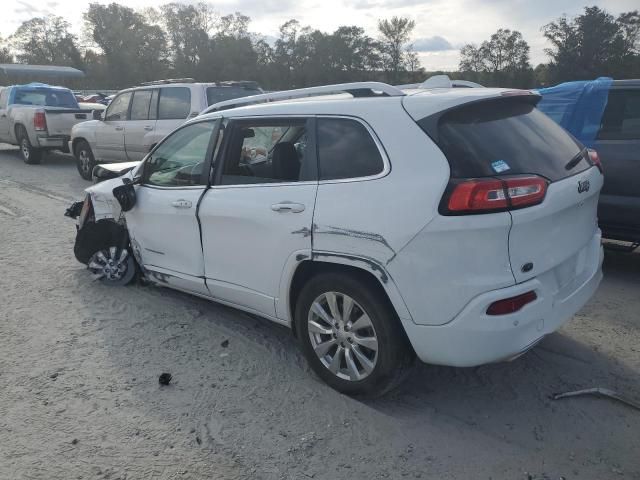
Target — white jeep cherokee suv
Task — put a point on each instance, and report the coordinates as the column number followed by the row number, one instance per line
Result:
column 455, row 225
column 140, row 117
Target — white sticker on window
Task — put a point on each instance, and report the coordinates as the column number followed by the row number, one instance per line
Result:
column 500, row 166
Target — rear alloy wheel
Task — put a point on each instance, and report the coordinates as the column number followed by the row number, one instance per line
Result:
column 112, row 266
column 30, row 155
column 351, row 336
column 84, row 160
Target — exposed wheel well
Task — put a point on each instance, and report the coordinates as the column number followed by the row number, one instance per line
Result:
column 17, row 128
column 75, row 143
column 308, row 269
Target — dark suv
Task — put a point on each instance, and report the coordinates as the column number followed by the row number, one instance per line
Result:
column 618, row 144
column 604, row 114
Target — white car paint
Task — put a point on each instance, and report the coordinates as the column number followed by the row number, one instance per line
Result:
column 439, row 272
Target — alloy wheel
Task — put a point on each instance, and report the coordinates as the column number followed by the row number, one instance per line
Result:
column 342, row 336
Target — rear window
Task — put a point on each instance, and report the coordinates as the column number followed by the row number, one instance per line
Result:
column 506, row 138
column 45, row 98
column 220, row 94
column 346, row 150
column 175, row 103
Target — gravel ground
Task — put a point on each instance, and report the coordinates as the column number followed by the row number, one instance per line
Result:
column 79, row 366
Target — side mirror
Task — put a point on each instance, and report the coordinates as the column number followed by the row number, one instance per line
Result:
column 97, row 115
column 126, row 196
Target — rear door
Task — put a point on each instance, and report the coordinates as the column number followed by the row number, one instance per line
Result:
column 109, row 143
column 174, row 108
column 618, row 145
column 141, row 124
column 510, row 137
column 4, row 115
column 258, row 216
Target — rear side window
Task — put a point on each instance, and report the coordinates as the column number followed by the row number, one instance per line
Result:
column 175, row 103
column 621, row 119
column 220, row 94
column 346, row 150
column 504, row 137
column 140, row 105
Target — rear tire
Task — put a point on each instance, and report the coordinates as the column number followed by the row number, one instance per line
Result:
column 85, row 161
column 30, row 155
column 351, row 335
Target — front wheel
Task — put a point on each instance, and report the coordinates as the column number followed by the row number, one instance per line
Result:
column 112, row 266
column 85, row 160
column 351, row 336
column 30, row 155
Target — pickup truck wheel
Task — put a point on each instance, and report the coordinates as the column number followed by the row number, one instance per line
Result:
column 84, row 160
column 351, row 336
column 30, row 155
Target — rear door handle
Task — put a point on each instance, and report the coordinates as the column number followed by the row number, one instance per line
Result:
column 119, row 129
column 148, row 128
column 284, row 207
column 181, row 204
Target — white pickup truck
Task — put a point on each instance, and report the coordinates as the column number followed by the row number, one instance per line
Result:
column 38, row 117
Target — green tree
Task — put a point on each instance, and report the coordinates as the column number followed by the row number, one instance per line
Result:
column 503, row 60
column 46, row 41
column 6, row 55
column 395, row 34
column 593, row 44
column 134, row 50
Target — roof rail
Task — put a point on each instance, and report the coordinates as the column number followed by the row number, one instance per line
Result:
column 357, row 89
column 168, row 80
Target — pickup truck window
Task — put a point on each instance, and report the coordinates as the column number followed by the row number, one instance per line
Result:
column 45, row 97
column 118, row 109
column 179, row 160
column 175, row 103
column 621, row 118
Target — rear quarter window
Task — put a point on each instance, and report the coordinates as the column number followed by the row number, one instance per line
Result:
column 175, row 103
column 621, row 118
column 221, row 94
column 505, row 137
column 346, row 150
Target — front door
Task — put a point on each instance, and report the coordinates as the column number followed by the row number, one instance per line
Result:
column 163, row 225
column 259, row 213
column 109, row 144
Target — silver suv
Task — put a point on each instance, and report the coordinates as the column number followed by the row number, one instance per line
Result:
column 139, row 117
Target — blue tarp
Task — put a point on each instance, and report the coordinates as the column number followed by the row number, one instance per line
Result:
column 577, row 106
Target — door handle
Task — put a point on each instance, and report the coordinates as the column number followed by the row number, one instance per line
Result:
column 148, row 128
column 119, row 129
column 288, row 207
column 181, row 204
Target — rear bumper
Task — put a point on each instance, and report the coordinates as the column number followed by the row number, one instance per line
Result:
column 474, row 338
column 53, row 142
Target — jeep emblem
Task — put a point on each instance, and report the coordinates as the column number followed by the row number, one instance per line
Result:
column 583, row 186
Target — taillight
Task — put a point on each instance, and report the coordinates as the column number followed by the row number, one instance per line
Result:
column 512, row 304
column 595, row 159
column 39, row 121
column 486, row 195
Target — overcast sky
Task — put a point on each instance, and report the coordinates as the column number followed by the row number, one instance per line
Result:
column 442, row 26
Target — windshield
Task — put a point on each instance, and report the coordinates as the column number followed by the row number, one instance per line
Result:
column 220, row 94
column 45, row 97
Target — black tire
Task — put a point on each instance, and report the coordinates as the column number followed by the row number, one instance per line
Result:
column 394, row 355
column 30, row 155
column 85, row 161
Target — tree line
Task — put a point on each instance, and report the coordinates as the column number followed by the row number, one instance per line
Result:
column 119, row 47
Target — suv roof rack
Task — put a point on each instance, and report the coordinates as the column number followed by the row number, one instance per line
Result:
column 357, row 89
column 168, row 80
